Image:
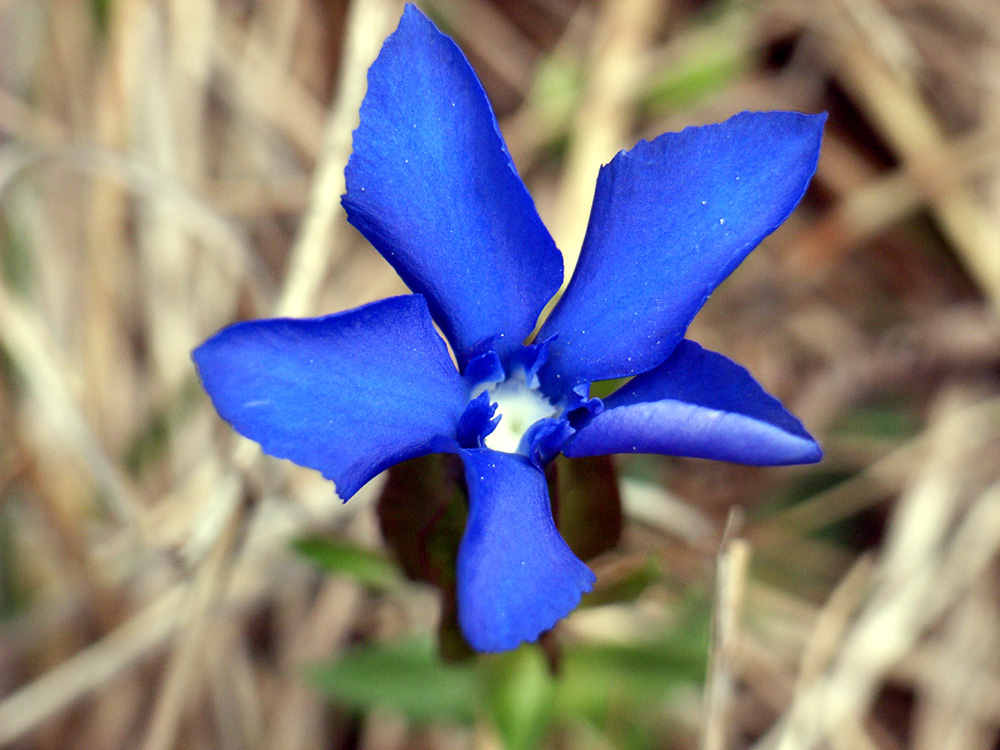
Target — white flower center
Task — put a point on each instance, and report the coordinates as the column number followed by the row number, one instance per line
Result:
column 519, row 407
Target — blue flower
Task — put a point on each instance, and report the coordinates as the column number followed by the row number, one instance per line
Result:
column 432, row 186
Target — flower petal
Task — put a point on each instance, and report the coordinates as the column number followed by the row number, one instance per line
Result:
column 701, row 404
column 348, row 394
column 433, row 188
column 516, row 576
column 671, row 219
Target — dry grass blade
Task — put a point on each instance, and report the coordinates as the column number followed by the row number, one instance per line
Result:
column 169, row 168
column 936, row 549
column 603, row 124
column 147, row 630
column 367, row 26
column 25, row 340
column 732, row 566
column 182, row 681
column 321, row 238
column 913, row 131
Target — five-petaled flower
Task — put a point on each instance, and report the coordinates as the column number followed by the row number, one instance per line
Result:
column 432, row 186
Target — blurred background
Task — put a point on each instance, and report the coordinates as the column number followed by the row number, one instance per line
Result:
column 167, row 168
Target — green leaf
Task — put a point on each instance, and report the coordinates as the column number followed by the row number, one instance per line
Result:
column 13, row 592
column 693, row 80
column 101, row 11
column 556, row 90
column 364, row 565
column 406, row 676
column 625, row 584
column 882, row 419
column 599, row 680
column 520, row 691
column 16, row 269
column 710, row 56
column 151, row 442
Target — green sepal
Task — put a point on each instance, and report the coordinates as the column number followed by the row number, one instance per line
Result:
column 586, row 503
